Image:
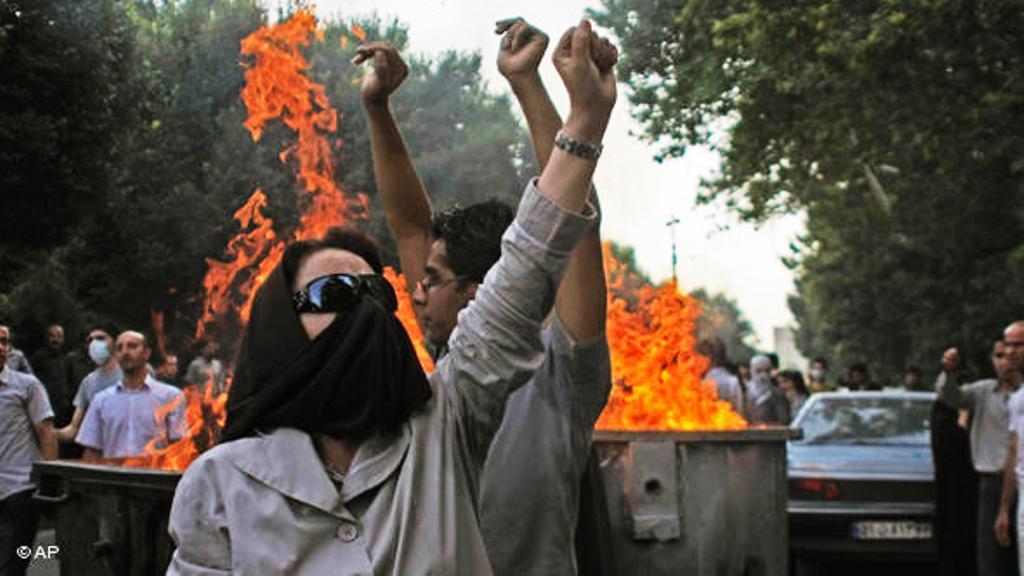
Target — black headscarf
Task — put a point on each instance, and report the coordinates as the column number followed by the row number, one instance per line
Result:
column 357, row 377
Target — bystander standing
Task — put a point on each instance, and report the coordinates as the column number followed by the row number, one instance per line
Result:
column 54, row 371
column 987, row 400
column 818, row 376
column 26, row 435
column 106, row 374
column 791, row 382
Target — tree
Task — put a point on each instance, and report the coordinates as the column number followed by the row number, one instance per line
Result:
column 64, row 103
column 123, row 154
column 722, row 318
column 895, row 125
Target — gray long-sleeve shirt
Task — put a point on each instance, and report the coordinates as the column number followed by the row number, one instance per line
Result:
column 530, row 488
column 987, row 400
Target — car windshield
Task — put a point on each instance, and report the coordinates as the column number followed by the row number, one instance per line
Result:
column 852, row 420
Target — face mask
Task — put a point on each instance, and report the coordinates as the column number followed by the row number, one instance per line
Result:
column 99, row 352
column 817, row 374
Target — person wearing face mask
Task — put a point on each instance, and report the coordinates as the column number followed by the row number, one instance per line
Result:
column 766, row 404
column 817, row 376
column 106, row 374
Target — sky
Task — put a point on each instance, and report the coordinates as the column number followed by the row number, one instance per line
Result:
column 638, row 195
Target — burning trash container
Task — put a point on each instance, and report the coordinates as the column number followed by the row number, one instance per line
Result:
column 109, row 520
column 697, row 503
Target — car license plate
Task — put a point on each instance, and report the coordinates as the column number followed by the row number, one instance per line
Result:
column 891, row 530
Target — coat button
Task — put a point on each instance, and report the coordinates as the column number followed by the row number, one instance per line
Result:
column 348, row 532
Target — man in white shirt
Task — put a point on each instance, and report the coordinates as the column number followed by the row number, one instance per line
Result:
column 123, row 419
column 1013, row 342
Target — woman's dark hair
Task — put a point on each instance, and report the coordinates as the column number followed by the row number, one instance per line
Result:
column 797, row 379
column 472, row 237
column 341, row 238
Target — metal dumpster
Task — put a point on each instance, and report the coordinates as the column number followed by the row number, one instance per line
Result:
column 109, row 520
column 696, row 503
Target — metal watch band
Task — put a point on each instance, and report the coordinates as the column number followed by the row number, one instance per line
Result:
column 577, row 148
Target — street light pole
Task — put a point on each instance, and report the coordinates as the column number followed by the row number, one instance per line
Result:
column 672, row 231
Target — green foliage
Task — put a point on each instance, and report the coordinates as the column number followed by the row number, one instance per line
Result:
column 897, row 126
column 722, row 318
column 64, row 103
column 123, row 156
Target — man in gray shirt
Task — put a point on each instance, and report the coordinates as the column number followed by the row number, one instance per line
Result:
column 530, row 485
column 26, row 435
column 987, row 400
column 106, row 374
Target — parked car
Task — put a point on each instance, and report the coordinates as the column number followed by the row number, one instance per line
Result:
column 861, row 480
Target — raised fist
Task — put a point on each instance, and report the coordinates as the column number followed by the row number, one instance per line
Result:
column 387, row 73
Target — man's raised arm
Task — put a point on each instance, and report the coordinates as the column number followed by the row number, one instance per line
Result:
column 402, row 194
column 582, row 300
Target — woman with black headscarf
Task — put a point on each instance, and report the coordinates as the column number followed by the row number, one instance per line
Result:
column 341, row 457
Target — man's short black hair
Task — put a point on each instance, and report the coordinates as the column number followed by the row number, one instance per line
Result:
column 472, row 237
column 821, row 360
column 914, row 370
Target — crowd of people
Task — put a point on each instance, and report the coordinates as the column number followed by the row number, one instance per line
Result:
column 97, row 403
column 765, row 394
column 975, row 426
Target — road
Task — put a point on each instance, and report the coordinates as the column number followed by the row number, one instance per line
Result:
column 848, row 568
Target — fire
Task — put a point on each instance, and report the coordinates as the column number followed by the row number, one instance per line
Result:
column 276, row 87
column 230, row 286
column 204, row 415
column 358, row 32
column 408, row 317
column 656, row 371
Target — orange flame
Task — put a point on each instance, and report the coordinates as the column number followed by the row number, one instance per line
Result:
column 276, row 87
column 656, row 371
column 231, row 286
column 358, row 32
column 407, row 316
column 205, row 415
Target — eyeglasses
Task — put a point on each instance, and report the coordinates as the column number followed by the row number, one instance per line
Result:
column 338, row 292
column 428, row 281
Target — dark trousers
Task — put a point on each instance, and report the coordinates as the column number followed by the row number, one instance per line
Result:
column 18, row 522
column 993, row 559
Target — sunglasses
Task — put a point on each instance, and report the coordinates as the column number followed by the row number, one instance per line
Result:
column 339, row 292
